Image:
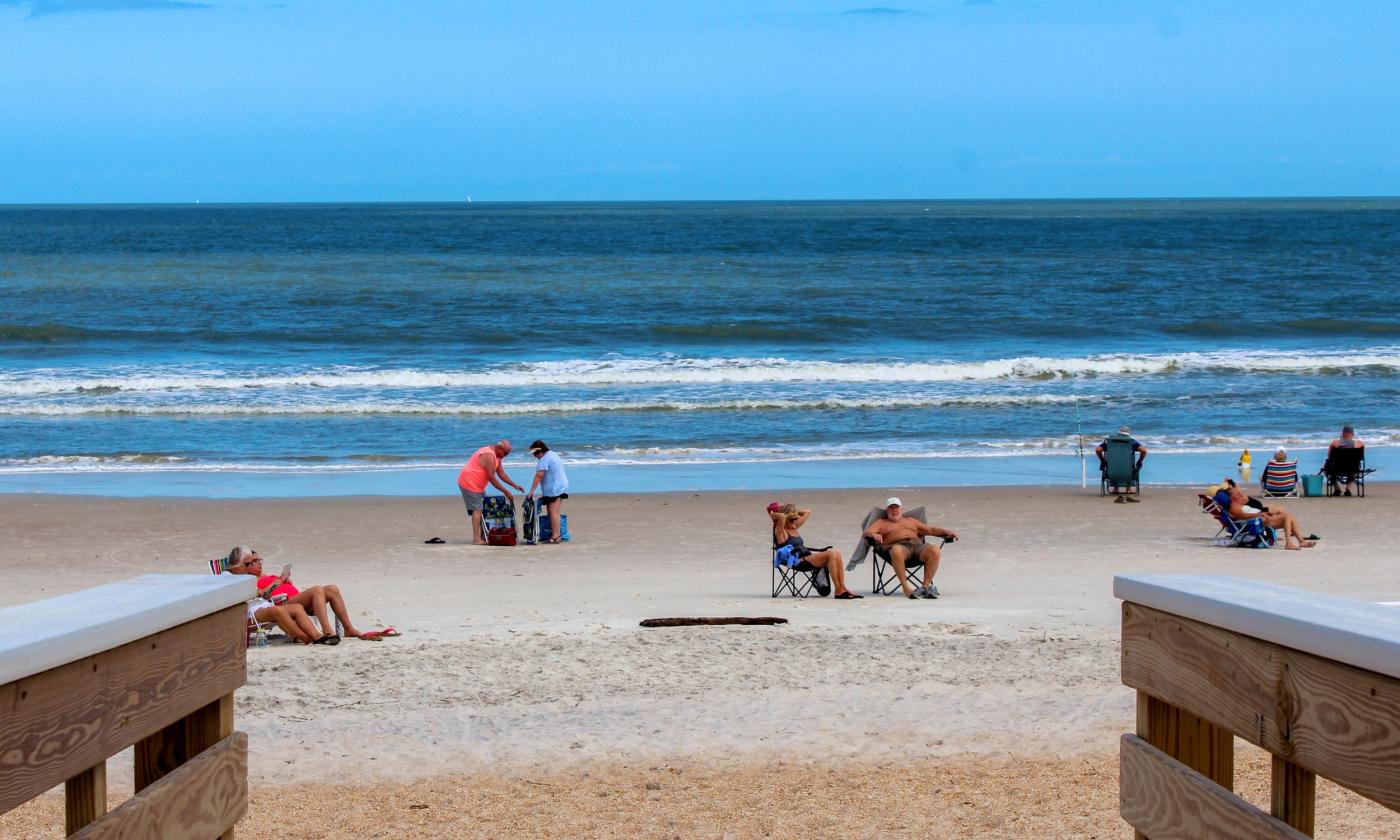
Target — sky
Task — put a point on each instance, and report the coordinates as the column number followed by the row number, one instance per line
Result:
column 411, row 100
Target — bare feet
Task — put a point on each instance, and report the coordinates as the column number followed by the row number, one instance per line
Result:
column 1291, row 547
column 1309, row 543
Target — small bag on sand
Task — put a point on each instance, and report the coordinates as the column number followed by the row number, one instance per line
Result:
column 500, row 536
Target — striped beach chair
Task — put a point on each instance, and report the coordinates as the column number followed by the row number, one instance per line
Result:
column 1280, row 480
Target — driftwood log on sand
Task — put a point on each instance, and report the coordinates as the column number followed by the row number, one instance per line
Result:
column 692, row 622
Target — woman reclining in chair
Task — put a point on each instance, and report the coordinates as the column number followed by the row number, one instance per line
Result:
column 786, row 520
column 1242, row 508
column 314, row 600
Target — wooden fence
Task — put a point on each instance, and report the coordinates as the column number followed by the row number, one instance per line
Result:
column 150, row 662
column 1313, row 679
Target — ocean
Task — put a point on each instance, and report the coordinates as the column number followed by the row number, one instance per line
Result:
column 290, row 349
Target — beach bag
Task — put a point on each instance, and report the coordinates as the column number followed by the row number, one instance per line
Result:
column 545, row 528
column 500, row 536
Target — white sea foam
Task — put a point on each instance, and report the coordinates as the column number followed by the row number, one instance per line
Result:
column 380, row 407
column 1063, row 446
column 694, row 371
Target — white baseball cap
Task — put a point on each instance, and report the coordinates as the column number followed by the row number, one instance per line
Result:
column 893, row 501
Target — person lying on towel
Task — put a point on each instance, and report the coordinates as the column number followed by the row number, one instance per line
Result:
column 319, row 601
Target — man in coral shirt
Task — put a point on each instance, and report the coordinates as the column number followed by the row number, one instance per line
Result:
column 485, row 466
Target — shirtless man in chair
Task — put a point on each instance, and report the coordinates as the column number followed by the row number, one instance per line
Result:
column 902, row 540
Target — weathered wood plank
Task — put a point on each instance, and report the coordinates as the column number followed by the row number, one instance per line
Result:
column 162, row 751
column 1166, row 800
column 1337, row 721
column 1357, row 633
column 43, row 635
column 85, row 797
column 1204, row 747
column 58, row 723
column 1294, row 796
column 202, row 798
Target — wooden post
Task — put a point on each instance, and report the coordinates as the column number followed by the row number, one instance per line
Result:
column 1294, row 797
column 1204, row 747
column 85, row 797
column 206, row 727
column 159, row 753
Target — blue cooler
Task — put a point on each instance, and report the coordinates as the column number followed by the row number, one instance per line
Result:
column 1312, row 485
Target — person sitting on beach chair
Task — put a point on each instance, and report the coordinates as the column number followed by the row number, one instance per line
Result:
column 786, row 520
column 1345, row 466
column 1243, row 508
column 899, row 539
column 263, row 613
column 319, row 601
column 1280, row 476
column 1119, row 476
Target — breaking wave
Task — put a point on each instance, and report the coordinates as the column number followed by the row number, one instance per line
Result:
column 705, row 371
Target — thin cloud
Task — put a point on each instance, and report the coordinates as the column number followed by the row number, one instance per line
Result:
column 42, row 8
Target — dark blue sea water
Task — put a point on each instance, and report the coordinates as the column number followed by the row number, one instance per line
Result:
column 177, row 346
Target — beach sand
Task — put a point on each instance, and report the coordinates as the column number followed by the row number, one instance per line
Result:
column 524, row 700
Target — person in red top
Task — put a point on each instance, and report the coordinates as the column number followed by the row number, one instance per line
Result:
column 486, row 465
column 319, row 601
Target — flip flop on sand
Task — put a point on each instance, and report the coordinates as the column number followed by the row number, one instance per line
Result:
column 848, row 595
column 377, row 635
column 435, row 541
column 327, row 640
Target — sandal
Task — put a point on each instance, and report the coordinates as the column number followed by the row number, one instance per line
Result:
column 328, row 640
column 551, row 541
column 435, row 541
column 848, row 595
column 383, row 633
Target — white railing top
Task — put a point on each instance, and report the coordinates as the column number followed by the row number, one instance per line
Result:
column 53, row 632
column 1357, row 633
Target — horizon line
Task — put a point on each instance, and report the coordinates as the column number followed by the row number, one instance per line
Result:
column 370, row 202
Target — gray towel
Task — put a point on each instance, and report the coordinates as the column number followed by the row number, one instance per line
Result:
column 863, row 548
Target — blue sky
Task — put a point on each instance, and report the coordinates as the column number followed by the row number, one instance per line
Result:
column 363, row 100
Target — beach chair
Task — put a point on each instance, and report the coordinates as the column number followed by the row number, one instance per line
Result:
column 1119, row 469
column 883, row 579
column 498, row 520
column 219, row 566
column 1249, row 533
column 1212, row 509
column 798, row 580
column 1279, row 480
column 1344, row 464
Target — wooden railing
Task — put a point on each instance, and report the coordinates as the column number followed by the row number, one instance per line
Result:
column 151, row 662
column 1313, row 679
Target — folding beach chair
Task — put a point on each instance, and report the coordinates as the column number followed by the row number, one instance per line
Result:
column 790, row 576
column 1249, row 533
column 1119, row 469
column 1279, row 480
column 498, row 520
column 1212, row 509
column 884, row 580
column 1343, row 465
